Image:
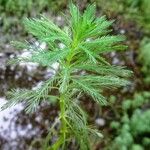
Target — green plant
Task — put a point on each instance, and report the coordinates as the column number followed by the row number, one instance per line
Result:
column 133, row 127
column 130, row 129
column 144, row 59
column 82, row 70
column 138, row 101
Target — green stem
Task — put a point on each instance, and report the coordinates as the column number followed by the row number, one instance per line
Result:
column 62, row 115
column 63, row 130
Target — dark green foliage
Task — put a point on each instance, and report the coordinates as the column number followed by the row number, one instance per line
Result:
column 85, row 41
column 144, row 59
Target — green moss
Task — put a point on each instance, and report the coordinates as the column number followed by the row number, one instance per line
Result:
column 140, row 122
column 138, row 100
column 128, row 132
column 144, row 59
column 136, row 147
column 134, row 125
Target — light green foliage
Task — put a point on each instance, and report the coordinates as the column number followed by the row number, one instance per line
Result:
column 82, row 70
column 136, row 147
column 136, row 126
column 140, row 122
column 129, row 131
column 144, row 58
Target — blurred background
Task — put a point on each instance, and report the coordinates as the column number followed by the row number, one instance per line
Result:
column 125, row 122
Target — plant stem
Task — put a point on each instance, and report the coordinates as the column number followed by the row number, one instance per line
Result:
column 62, row 115
column 63, row 131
